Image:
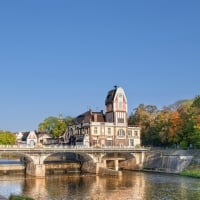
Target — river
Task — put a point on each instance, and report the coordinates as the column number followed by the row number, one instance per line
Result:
column 131, row 185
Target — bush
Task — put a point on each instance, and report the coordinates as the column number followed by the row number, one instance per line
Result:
column 183, row 144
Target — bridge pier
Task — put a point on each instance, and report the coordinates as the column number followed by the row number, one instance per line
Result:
column 104, row 163
column 37, row 170
column 115, row 160
column 116, row 165
column 36, row 167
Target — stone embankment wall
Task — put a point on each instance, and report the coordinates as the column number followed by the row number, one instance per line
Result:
column 171, row 161
column 12, row 169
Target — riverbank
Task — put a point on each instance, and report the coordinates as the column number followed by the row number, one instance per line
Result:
column 194, row 173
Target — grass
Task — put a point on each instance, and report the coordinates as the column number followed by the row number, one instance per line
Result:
column 17, row 197
column 191, row 173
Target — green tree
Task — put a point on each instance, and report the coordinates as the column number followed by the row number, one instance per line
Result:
column 196, row 102
column 144, row 116
column 192, row 127
column 162, row 125
column 68, row 120
column 176, row 124
column 7, row 138
column 55, row 125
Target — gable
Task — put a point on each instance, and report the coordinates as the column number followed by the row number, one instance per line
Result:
column 32, row 135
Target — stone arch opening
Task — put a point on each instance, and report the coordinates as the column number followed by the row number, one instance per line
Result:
column 65, row 162
column 14, row 163
column 120, row 161
column 67, row 157
column 18, row 156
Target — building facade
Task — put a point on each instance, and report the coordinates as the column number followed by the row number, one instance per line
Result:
column 29, row 138
column 105, row 129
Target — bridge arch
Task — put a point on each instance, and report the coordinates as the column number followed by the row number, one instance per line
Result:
column 23, row 157
column 120, row 161
column 68, row 156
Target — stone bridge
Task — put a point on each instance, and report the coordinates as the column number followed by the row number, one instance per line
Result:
column 92, row 159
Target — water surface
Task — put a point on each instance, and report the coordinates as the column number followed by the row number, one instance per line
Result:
column 131, row 185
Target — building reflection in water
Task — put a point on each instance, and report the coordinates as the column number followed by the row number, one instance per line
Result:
column 35, row 188
column 123, row 187
column 85, row 187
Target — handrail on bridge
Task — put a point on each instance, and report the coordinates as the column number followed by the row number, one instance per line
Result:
column 65, row 147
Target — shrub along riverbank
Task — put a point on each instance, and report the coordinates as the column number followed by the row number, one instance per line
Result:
column 191, row 173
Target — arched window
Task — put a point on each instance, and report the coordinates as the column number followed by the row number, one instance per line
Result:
column 121, row 133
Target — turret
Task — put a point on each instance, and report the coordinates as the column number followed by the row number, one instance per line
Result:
column 116, row 106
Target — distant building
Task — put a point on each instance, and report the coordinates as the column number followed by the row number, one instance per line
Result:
column 29, row 138
column 32, row 138
column 105, row 129
column 45, row 138
column 19, row 136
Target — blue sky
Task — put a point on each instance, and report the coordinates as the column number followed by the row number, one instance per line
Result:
column 63, row 56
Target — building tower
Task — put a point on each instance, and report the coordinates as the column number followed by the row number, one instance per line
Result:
column 109, row 128
column 116, row 107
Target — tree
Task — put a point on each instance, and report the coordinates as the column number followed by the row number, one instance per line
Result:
column 55, row 125
column 175, row 128
column 68, row 120
column 192, row 130
column 162, row 124
column 176, row 124
column 144, row 116
column 196, row 102
column 7, row 138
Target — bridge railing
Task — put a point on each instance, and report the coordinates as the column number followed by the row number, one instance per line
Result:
column 76, row 147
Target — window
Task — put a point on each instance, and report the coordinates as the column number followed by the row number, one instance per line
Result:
column 120, row 105
column 108, row 142
column 136, row 133
column 129, row 133
column 120, row 120
column 109, row 131
column 120, row 101
column 121, row 133
column 131, row 142
column 95, row 130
